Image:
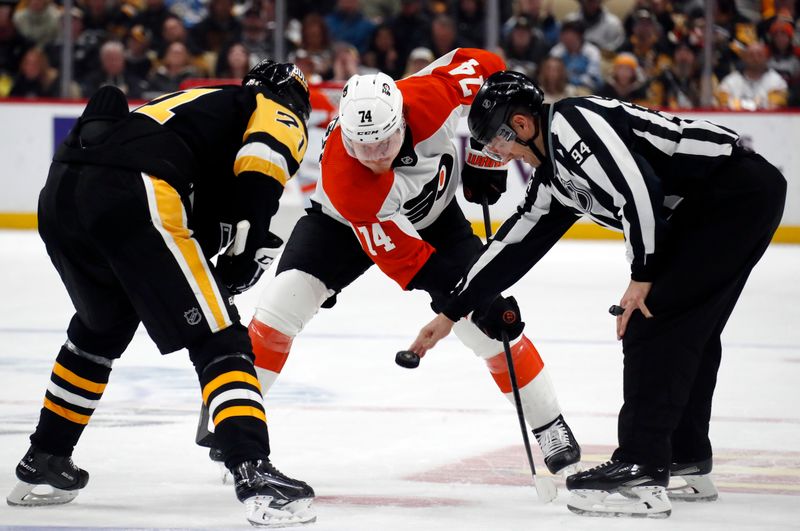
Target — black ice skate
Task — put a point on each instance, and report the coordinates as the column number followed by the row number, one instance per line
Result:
column 271, row 498
column 616, row 488
column 58, row 479
column 559, row 447
column 692, row 482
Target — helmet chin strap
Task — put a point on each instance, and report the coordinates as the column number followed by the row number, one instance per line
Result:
column 530, row 142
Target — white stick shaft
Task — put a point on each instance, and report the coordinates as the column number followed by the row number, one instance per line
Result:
column 240, row 239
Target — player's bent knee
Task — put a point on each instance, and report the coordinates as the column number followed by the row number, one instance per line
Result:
column 108, row 343
column 471, row 337
column 233, row 339
column 290, row 301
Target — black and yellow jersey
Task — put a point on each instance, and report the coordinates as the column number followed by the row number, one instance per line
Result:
column 227, row 150
column 229, row 130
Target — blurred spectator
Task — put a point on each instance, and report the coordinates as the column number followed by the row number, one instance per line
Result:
column 381, row 54
column 138, row 54
column 85, row 46
column 113, row 72
column 443, row 35
column 176, row 66
column 418, row 59
column 680, row 86
column 174, row 30
column 347, row 23
column 525, row 48
column 553, row 80
column 733, row 33
column 316, row 42
column 661, row 10
column 581, row 58
column 190, row 11
column 626, row 81
column 470, row 22
column 256, row 38
column 13, row 46
column 106, row 16
column 234, row 61
column 37, row 79
column 647, row 45
column 153, row 17
column 38, row 21
column 347, row 62
column 299, row 8
column 411, row 28
column 305, row 63
column 785, row 56
column 782, row 10
column 531, row 12
column 219, row 27
column 756, row 87
column 380, row 11
column 601, row 27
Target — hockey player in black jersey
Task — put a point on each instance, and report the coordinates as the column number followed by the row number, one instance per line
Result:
column 697, row 211
column 134, row 207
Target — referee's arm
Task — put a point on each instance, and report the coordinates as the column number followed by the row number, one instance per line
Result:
column 519, row 244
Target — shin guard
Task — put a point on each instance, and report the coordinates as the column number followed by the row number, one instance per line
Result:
column 539, row 401
column 271, row 349
column 76, row 386
column 233, row 397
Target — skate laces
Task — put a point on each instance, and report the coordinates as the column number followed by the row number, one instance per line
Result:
column 554, row 439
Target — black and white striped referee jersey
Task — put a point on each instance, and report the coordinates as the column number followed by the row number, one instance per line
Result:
column 623, row 166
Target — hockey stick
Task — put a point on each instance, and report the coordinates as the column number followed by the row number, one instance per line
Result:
column 545, row 488
column 204, row 436
column 239, row 239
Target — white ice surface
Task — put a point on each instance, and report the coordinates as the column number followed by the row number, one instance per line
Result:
column 437, row 448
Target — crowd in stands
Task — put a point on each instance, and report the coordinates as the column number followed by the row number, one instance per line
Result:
column 651, row 53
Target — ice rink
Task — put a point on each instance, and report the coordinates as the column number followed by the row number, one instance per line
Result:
column 391, row 449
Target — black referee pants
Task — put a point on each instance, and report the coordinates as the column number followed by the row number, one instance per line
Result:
column 671, row 360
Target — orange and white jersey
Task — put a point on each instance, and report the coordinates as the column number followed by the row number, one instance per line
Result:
column 386, row 210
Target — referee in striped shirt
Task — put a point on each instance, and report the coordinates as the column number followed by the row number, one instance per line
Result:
column 697, row 212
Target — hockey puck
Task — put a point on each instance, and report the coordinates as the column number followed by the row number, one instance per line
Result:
column 407, row 359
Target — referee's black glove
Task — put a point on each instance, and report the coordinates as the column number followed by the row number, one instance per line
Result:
column 482, row 177
column 502, row 315
column 240, row 272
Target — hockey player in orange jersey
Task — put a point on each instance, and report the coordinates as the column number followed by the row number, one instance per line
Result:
column 386, row 196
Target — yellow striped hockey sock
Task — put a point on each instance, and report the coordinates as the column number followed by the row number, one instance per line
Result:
column 233, row 396
column 76, row 386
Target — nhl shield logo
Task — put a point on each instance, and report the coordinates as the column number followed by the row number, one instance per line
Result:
column 488, row 104
column 407, row 160
column 192, row 316
column 385, row 89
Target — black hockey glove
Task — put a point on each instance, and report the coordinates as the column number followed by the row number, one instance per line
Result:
column 502, row 315
column 482, row 177
column 240, row 272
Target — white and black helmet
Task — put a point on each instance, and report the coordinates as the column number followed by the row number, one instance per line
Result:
column 371, row 108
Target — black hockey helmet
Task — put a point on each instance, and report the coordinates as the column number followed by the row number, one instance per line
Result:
column 285, row 80
column 501, row 95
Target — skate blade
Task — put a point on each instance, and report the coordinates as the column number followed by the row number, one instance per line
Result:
column 224, row 473
column 23, row 495
column 569, row 470
column 641, row 502
column 694, row 489
column 261, row 514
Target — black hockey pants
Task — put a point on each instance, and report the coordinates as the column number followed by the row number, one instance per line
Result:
column 671, row 360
